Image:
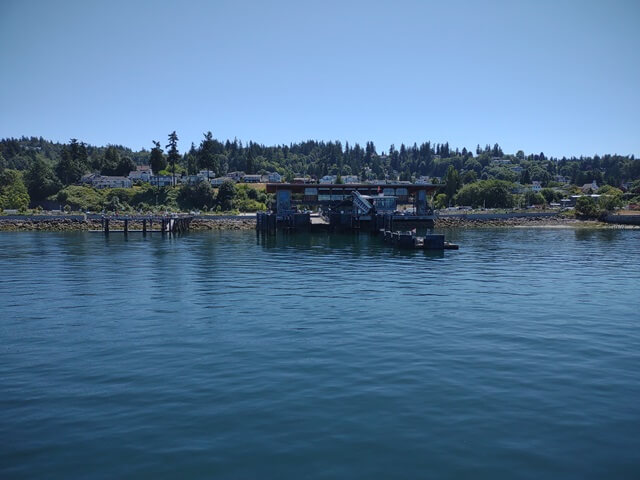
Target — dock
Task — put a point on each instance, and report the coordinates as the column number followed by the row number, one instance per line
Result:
column 363, row 208
column 410, row 240
column 166, row 224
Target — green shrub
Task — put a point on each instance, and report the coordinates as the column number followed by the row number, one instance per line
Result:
column 586, row 207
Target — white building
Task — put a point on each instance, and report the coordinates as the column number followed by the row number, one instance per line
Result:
column 236, row 176
column 500, row 161
column 590, row 186
column 536, row 186
column 88, row 178
column 328, row 179
column 162, row 180
column 252, row 178
column 561, row 179
column 105, row 181
column 142, row 173
column 192, row 179
column 216, row 182
column 274, row 177
column 351, row 179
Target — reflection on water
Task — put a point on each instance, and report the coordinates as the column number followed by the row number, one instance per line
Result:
column 227, row 354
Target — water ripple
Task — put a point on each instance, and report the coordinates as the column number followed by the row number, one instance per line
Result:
column 229, row 355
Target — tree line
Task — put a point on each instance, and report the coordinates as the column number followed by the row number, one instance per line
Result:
column 47, row 167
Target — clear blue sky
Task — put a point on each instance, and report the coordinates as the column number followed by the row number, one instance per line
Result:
column 562, row 77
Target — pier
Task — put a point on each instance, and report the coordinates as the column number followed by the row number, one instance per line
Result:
column 355, row 208
column 361, row 207
column 172, row 224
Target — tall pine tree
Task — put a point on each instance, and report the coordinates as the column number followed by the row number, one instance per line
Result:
column 172, row 154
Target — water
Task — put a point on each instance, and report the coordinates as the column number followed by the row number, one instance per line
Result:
column 216, row 355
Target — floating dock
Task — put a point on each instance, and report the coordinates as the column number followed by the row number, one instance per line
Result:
column 410, row 240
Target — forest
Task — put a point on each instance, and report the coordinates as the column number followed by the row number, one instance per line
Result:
column 33, row 169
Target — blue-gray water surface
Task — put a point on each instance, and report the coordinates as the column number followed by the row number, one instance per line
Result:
column 225, row 355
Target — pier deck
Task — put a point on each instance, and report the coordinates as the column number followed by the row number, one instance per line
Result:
column 167, row 223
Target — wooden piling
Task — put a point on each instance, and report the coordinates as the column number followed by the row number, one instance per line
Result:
column 106, row 226
column 144, row 226
column 126, row 226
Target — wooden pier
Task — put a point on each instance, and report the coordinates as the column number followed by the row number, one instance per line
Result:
column 172, row 224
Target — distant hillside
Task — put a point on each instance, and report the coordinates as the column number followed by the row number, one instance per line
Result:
column 318, row 158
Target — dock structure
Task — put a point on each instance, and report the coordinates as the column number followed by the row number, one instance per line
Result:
column 360, row 207
column 171, row 224
column 410, row 240
column 357, row 208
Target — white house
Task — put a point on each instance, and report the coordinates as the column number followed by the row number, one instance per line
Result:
column 300, row 180
column 106, row 181
column 142, row 173
column 252, row 178
column 236, row 176
column 590, row 186
column 192, row 179
column 536, row 186
column 500, row 161
column 161, row 180
column 216, row 182
column 274, row 177
column 351, row 179
column 328, row 179
column 88, row 178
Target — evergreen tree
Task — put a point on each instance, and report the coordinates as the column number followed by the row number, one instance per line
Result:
column 73, row 162
column 190, row 160
column 226, row 193
column 110, row 161
column 125, row 166
column 40, row 180
column 207, row 157
column 172, row 154
column 452, row 182
column 13, row 192
column 157, row 160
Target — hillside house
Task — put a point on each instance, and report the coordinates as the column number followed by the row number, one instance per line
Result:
column 252, row 178
column 593, row 186
column 274, row 177
column 162, row 180
column 107, row 181
column 142, row 173
column 236, row 176
column 216, row 182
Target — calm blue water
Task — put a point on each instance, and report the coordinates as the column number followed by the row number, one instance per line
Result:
column 216, row 355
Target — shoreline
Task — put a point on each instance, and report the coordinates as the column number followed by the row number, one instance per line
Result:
column 210, row 224
column 75, row 225
column 525, row 222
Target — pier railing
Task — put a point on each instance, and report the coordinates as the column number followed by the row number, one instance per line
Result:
column 167, row 223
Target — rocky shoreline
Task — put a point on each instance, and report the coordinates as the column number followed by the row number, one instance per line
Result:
column 209, row 224
column 549, row 222
column 74, row 225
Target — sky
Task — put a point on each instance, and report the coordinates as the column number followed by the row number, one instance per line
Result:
column 559, row 77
